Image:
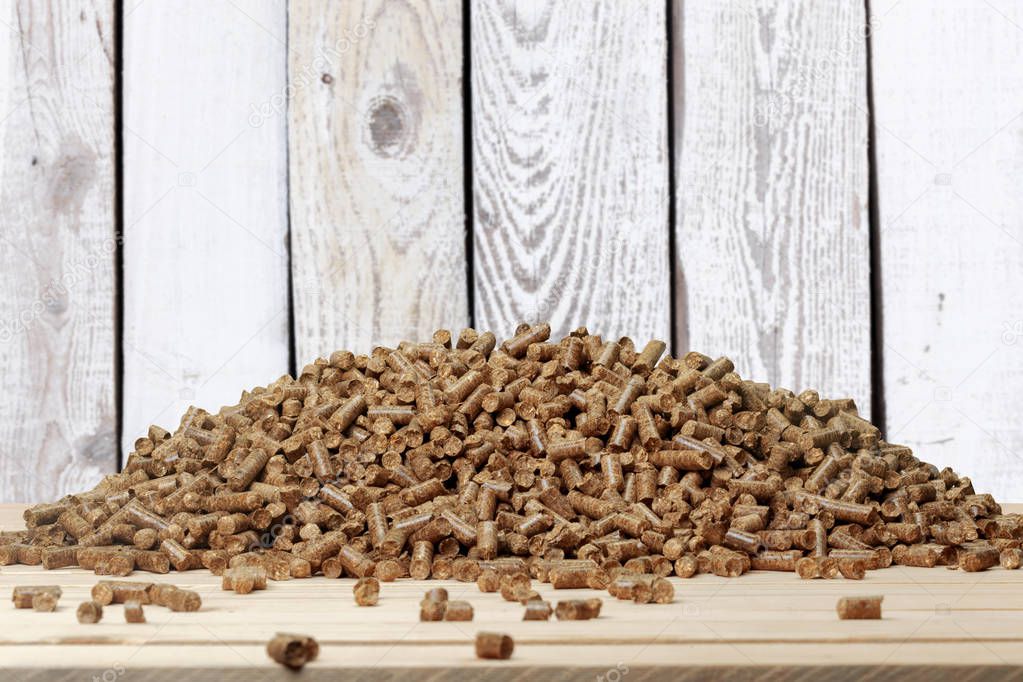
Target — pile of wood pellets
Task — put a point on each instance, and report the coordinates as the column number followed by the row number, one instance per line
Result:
column 584, row 462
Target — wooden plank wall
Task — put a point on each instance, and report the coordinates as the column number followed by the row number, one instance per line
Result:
column 377, row 181
column 299, row 177
column 205, row 205
column 948, row 95
column 58, row 422
column 570, row 166
column 771, row 161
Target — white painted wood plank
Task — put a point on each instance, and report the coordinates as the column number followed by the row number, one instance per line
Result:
column 58, row 420
column 570, row 166
column 205, row 254
column 949, row 112
column 771, row 167
column 377, row 199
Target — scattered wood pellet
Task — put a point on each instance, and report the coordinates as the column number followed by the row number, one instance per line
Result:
column 89, row 612
column 1011, row 558
column 133, row 612
column 515, row 586
column 45, row 601
column 494, row 645
column 175, row 598
column 859, row 608
column 488, row 581
column 367, row 591
column 577, row 609
column 852, row 569
column 292, row 651
column 23, row 595
column 537, row 610
column 458, row 610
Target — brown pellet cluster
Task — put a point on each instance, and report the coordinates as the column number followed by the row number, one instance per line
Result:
column 462, row 456
column 25, row 597
column 161, row 594
column 435, row 606
column 293, row 651
column 244, row 579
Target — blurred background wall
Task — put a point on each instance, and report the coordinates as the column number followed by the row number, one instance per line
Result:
column 201, row 195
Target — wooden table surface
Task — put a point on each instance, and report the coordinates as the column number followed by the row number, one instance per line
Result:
column 937, row 622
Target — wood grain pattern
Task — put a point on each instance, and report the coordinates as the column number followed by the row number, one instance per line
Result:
column 949, row 116
column 377, row 198
column 58, row 422
column 570, row 166
column 771, row 168
column 205, row 206
column 762, row 625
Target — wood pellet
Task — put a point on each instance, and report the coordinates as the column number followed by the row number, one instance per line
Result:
column 133, row 612
column 441, row 459
column 292, row 651
column 859, row 608
column 494, row 645
column 366, row 591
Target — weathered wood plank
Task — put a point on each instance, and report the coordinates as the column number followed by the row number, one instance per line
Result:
column 377, row 198
column 58, row 422
column 570, row 166
column 771, row 167
column 205, row 266
column 948, row 96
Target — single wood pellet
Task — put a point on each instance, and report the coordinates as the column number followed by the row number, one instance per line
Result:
column 458, row 610
column 45, row 601
column 89, row 612
column 444, row 458
column 1011, row 558
column 367, row 591
column 133, row 612
column 577, row 609
column 537, row 610
column 859, row 608
column 494, row 645
column 292, row 651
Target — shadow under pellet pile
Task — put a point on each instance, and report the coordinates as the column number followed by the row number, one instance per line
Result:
column 581, row 461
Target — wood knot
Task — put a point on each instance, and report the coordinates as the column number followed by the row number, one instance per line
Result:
column 388, row 124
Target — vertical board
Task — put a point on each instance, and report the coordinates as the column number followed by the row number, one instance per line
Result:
column 570, row 166
column 58, row 423
column 771, row 166
column 948, row 93
column 377, row 198
column 205, row 207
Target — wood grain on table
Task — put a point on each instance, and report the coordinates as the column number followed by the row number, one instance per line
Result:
column 937, row 623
